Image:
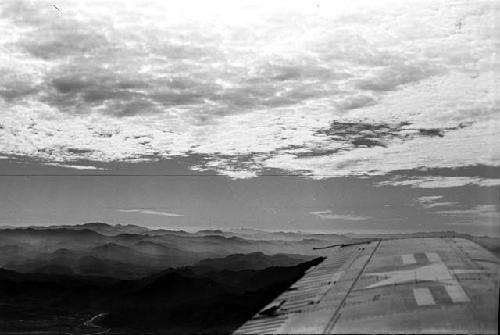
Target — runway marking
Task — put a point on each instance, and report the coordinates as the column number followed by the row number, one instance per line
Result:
column 423, row 296
column 437, row 271
column 456, row 293
column 408, row 259
column 433, row 257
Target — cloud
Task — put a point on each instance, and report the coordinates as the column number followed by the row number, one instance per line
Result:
column 431, row 201
column 441, row 204
column 485, row 214
column 329, row 215
column 390, row 78
column 429, row 198
column 440, row 182
column 73, row 166
column 148, row 211
column 349, row 90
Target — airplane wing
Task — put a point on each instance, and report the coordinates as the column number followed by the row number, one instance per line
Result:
column 414, row 285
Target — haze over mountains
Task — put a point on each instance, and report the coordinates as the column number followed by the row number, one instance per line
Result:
column 124, row 279
column 68, row 278
column 127, row 252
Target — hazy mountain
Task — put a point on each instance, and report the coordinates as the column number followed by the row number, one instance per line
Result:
column 110, row 230
column 129, row 251
column 9, row 252
column 80, row 263
column 45, row 239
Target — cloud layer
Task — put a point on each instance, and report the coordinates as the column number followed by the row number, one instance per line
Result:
column 440, row 182
column 488, row 215
column 329, row 215
column 358, row 89
column 148, row 211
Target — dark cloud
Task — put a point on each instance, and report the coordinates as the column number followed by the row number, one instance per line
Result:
column 78, row 151
column 391, row 77
column 83, row 77
column 98, row 65
column 95, row 70
column 76, row 89
column 432, row 132
column 363, row 134
column 190, row 50
column 343, row 46
column 346, row 130
column 27, row 13
column 14, row 92
column 65, row 85
column 354, row 135
column 355, row 102
column 307, row 69
column 15, row 86
column 62, row 42
column 49, row 35
column 138, row 106
column 168, row 98
column 317, row 152
column 280, row 83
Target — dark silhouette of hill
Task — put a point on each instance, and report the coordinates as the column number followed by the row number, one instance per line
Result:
column 216, row 302
column 254, row 260
column 35, row 302
column 173, row 301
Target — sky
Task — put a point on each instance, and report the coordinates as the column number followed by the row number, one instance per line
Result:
column 290, row 115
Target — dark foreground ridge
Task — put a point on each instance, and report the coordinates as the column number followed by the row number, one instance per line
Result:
column 187, row 300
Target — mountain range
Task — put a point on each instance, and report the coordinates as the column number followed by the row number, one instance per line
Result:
column 131, row 252
column 188, row 300
column 125, row 279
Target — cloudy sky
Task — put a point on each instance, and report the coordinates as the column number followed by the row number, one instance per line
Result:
column 314, row 115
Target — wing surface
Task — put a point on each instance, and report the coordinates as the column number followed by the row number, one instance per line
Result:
column 414, row 285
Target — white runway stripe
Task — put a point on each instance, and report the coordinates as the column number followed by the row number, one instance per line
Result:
column 423, row 296
column 408, row 259
column 433, row 257
column 456, row 293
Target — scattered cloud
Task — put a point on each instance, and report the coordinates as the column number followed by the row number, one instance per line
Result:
column 329, row 215
column 429, row 198
column 148, row 211
column 348, row 89
column 441, row 204
column 73, row 166
column 432, row 201
column 440, row 182
column 485, row 214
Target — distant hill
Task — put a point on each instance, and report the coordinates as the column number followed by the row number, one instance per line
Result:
column 107, row 229
column 131, row 252
column 83, row 251
column 46, row 239
column 81, row 264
